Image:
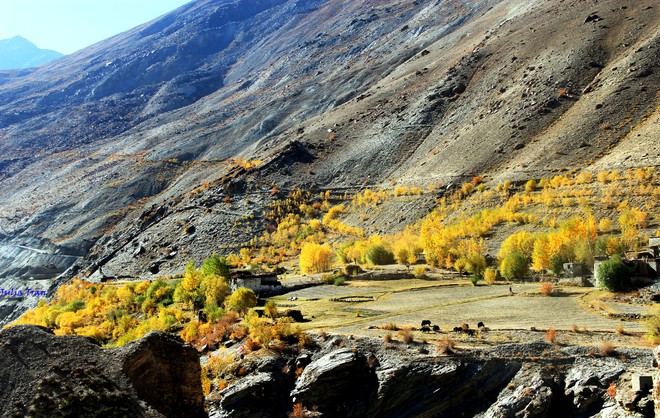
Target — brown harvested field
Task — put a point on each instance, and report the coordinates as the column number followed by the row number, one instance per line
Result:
column 450, row 303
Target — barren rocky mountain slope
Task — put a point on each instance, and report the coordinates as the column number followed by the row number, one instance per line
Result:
column 100, row 150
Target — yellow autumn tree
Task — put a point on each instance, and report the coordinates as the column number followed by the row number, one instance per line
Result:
column 541, row 254
column 188, row 291
column 333, row 213
column 241, row 301
column 436, row 240
column 520, row 242
column 604, row 225
column 406, row 247
column 470, row 256
column 515, row 255
column 315, row 258
column 214, row 289
column 631, row 220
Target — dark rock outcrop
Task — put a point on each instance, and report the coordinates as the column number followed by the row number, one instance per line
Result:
column 46, row 375
column 531, row 393
column 362, row 378
column 587, row 388
column 447, row 388
column 340, row 381
column 247, row 398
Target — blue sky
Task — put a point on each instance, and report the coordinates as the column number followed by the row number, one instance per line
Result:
column 69, row 25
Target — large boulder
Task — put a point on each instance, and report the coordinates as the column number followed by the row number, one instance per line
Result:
column 443, row 387
column 247, row 397
column 340, row 382
column 46, row 375
column 588, row 380
column 531, row 393
column 165, row 373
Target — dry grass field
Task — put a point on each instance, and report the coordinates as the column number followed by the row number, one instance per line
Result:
column 580, row 315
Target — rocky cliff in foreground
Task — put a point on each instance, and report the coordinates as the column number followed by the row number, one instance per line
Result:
column 364, row 378
column 44, row 375
column 157, row 376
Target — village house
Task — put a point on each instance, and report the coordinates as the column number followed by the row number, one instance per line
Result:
column 641, row 264
column 259, row 283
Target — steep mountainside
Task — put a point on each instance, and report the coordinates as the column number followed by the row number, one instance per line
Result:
column 100, row 150
column 18, row 53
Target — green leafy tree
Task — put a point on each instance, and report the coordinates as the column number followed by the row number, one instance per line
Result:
column 378, row 254
column 159, row 291
column 613, row 275
column 215, row 266
column 213, row 312
column 514, row 266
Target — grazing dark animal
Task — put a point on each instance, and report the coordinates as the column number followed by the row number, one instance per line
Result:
column 426, row 329
column 436, row 328
column 481, row 325
column 426, row 322
column 465, row 328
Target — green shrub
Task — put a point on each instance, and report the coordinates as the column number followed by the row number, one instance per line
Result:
column 652, row 325
column 213, row 312
column 514, row 266
column 352, row 270
column 159, row 290
column 557, row 264
column 339, row 281
column 328, row 278
column 474, row 279
column 613, row 275
column 377, row 254
column 75, row 306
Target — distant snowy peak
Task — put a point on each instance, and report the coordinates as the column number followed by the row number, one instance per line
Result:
column 18, row 52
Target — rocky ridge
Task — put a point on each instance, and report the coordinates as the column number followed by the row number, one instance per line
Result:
column 364, row 378
column 336, row 376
